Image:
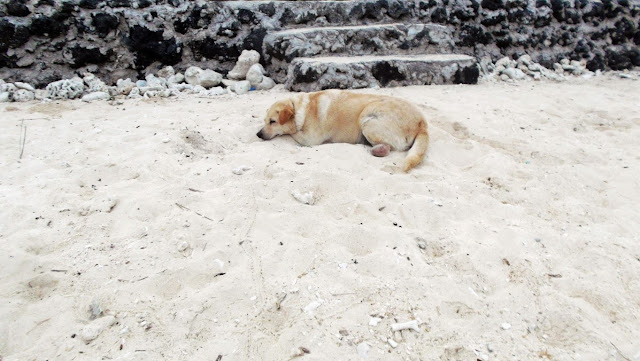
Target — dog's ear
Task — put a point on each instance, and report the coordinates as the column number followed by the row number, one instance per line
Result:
column 285, row 114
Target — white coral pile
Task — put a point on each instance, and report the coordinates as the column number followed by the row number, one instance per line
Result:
column 246, row 75
column 507, row 69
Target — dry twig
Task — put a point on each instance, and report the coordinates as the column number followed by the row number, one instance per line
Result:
column 23, row 137
column 188, row 209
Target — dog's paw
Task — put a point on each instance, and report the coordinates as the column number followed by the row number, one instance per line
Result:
column 381, row 150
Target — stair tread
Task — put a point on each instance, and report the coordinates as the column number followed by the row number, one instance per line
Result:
column 401, row 57
column 366, row 71
column 352, row 27
column 283, row 46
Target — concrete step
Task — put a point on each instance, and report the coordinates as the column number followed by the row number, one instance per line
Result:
column 280, row 48
column 312, row 74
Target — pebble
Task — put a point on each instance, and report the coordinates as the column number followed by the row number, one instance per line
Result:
column 124, row 86
column 210, row 78
column 241, row 170
column 155, row 82
column 144, row 89
column 23, row 95
column 176, row 79
column 213, row 91
column 134, row 93
column 65, row 89
column 392, row 343
column 166, row 72
column 306, row 198
column 242, row 87
column 514, row 73
column 95, row 310
column 363, row 350
column 266, row 83
column 229, row 83
column 91, row 331
column 535, row 67
column 308, row 309
column 373, row 321
column 490, row 347
column 525, row 60
column 506, row 326
column 183, row 246
column 296, row 352
column 94, row 84
column 5, row 97
column 181, row 87
column 255, row 74
column 25, row 86
column 8, row 87
column 198, row 88
column 557, row 67
column 165, row 93
column 95, row 96
column 204, row 78
column 245, row 61
column 505, row 62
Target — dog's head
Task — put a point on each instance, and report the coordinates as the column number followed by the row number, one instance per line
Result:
column 280, row 120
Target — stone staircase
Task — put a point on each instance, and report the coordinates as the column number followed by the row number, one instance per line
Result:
column 363, row 56
column 368, row 71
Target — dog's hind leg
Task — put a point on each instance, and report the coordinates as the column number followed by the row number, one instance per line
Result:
column 382, row 134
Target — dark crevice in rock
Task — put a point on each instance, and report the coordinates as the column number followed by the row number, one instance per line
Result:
column 385, row 73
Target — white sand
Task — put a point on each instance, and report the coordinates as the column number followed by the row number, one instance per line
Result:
column 527, row 209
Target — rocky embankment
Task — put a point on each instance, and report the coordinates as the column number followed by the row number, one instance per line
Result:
column 42, row 41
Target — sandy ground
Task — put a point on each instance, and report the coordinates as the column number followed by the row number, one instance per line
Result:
column 517, row 239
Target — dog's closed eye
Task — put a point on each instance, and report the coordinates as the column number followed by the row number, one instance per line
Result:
column 272, row 121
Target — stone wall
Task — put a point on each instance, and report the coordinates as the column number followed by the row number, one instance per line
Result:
column 47, row 40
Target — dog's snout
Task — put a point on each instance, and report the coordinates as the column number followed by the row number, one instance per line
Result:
column 259, row 134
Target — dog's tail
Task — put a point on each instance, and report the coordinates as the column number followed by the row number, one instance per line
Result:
column 418, row 149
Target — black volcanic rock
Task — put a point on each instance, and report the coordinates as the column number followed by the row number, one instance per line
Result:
column 268, row 9
column 622, row 31
column 12, row 36
column 492, row 4
column 467, row 75
column 149, row 46
column 472, row 35
column 398, row 9
column 440, row 15
column 83, row 56
column 49, row 26
column 89, row 4
column 209, row 48
column 104, row 23
column 17, row 8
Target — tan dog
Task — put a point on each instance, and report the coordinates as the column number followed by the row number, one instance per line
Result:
column 337, row 116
